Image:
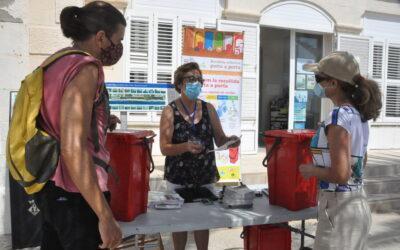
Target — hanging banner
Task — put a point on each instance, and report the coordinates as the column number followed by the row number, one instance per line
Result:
column 220, row 57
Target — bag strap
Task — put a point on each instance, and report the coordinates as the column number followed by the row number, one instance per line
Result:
column 106, row 167
column 60, row 54
column 93, row 125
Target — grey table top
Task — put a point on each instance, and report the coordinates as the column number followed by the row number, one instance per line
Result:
column 198, row 216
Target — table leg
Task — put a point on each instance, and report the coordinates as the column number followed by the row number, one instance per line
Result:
column 160, row 242
column 136, row 242
column 142, row 241
column 303, row 230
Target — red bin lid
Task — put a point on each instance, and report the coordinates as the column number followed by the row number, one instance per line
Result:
column 296, row 134
column 130, row 136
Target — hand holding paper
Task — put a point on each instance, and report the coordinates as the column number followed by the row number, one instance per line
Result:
column 233, row 142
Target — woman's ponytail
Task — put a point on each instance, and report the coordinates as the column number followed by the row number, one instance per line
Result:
column 366, row 97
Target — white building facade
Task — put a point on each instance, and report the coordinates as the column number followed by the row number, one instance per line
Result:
column 278, row 37
column 275, row 32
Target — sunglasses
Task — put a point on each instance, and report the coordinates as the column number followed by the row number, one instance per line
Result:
column 194, row 78
column 319, row 78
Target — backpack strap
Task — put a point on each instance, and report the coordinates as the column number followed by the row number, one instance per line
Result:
column 106, row 167
column 93, row 126
column 60, row 54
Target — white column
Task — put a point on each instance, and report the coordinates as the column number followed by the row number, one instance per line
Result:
column 292, row 76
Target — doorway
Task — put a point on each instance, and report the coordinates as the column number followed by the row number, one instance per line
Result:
column 307, row 106
column 274, row 79
column 287, row 100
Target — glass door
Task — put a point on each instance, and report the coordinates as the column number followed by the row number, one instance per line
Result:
column 307, row 106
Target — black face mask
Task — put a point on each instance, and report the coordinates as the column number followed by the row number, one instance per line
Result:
column 112, row 54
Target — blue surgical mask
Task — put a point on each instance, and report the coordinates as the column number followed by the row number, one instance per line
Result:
column 193, row 90
column 319, row 90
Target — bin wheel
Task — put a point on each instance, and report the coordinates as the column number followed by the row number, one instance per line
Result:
column 305, row 248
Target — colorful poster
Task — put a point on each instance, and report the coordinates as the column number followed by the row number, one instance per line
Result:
column 128, row 96
column 218, row 41
column 299, row 125
column 228, row 43
column 222, row 73
column 299, row 65
column 301, row 81
column 199, row 40
column 310, row 82
column 300, row 105
column 238, row 41
column 209, row 40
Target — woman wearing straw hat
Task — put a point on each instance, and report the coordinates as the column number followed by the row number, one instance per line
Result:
column 339, row 151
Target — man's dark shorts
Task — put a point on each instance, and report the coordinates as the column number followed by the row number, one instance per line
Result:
column 68, row 221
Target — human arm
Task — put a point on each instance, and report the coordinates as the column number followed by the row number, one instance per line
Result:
column 112, row 122
column 365, row 159
column 166, row 133
column 339, row 150
column 76, row 107
column 219, row 134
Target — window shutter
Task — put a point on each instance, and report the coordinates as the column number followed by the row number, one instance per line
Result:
column 165, row 50
column 359, row 47
column 393, row 70
column 393, row 100
column 138, row 76
column 393, row 81
column 377, row 61
column 139, row 53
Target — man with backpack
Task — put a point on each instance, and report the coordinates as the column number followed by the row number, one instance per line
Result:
column 66, row 162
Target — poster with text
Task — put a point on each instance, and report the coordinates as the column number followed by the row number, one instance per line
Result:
column 130, row 96
column 300, row 105
column 220, row 57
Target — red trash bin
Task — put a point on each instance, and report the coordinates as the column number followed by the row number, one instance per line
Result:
column 286, row 150
column 267, row 237
column 130, row 158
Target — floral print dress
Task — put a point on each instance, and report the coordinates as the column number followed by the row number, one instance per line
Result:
column 192, row 169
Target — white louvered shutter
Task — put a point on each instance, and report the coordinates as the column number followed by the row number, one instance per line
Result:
column 140, row 43
column 164, row 51
column 250, row 81
column 393, row 81
column 360, row 47
column 139, row 70
column 377, row 62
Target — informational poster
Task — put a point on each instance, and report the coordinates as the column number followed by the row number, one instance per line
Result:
column 305, row 82
column 310, row 82
column 300, row 63
column 301, row 81
column 128, row 96
column 220, row 57
column 300, row 105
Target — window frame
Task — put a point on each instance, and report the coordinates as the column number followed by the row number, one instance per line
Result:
column 153, row 68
